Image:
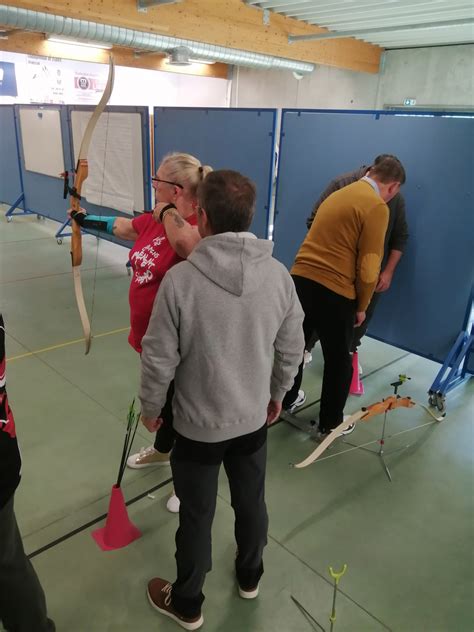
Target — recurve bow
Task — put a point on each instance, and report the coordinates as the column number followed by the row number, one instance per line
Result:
column 82, row 171
column 364, row 414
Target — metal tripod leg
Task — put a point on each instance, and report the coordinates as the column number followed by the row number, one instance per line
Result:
column 381, row 453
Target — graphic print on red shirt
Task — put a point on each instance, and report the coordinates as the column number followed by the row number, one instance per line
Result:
column 151, row 257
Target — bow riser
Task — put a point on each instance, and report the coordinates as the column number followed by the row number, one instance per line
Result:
column 82, row 172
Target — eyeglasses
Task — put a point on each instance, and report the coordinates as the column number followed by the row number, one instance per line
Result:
column 175, row 184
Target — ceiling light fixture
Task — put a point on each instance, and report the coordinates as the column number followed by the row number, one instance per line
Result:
column 201, row 61
column 73, row 42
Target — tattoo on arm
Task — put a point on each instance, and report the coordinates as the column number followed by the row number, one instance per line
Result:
column 178, row 220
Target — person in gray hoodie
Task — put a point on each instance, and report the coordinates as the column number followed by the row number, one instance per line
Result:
column 227, row 326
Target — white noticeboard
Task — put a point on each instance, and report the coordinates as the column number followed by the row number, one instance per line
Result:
column 42, row 141
column 115, row 159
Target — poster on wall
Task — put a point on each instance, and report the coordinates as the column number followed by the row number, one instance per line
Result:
column 88, row 86
column 37, row 80
column 7, row 80
column 45, row 79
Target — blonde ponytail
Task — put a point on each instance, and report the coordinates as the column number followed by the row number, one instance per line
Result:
column 185, row 170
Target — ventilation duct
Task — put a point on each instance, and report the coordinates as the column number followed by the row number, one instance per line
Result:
column 28, row 20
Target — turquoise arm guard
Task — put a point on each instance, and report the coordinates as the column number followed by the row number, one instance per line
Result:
column 97, row 222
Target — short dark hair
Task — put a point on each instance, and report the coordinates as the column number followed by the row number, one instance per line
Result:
column 388, row 168
column 228, row 198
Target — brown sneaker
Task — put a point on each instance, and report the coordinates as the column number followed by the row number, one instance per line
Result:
column 148, row 457
column 159, row 595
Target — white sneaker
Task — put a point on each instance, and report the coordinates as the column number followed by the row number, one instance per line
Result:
column 148, row 457
column 173, row 503
column 307, row 358
column 248, row 594
column 349, row 429
column 299, row 401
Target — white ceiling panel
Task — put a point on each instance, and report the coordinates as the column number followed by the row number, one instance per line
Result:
column 389, row 23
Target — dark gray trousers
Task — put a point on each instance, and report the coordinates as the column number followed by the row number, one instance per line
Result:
column 22, row 601
column 196, row 486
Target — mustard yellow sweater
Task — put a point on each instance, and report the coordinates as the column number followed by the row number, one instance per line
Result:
column 343, row 249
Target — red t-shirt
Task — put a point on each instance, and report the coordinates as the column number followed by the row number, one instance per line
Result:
column 151, row 257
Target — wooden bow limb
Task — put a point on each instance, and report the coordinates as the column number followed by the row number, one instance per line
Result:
column 82, row 171
column 364, row 414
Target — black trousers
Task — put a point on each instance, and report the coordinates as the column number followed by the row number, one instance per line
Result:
column 331, row 316
column 195, row 467
column 165, row 435
column 359, row 332
column 22, row 601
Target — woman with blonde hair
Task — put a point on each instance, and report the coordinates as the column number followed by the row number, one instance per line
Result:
column 161, row 239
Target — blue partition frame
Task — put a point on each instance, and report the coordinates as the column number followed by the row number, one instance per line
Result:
column 11, row 185
column 424, row 310
column 242, row 139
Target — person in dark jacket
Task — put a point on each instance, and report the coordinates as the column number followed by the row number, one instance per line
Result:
column 395, row 241
column 22, row 600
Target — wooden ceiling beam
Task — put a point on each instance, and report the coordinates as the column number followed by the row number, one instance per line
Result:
column 230, row 23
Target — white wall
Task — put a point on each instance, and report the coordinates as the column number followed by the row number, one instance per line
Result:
column 441, row 76
column 325, row 87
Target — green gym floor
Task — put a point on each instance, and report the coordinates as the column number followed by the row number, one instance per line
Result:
column 407, row 543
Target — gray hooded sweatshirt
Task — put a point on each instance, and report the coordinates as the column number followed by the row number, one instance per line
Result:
column 227, row 326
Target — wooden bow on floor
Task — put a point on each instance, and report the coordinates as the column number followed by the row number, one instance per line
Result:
column 82, row 171
column 379, row 408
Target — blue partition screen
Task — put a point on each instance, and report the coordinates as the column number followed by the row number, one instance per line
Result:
column 425, row 308
column 239, row 139
column 10, row 179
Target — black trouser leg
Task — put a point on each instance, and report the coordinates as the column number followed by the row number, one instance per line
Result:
column 331, row 316
column 359, row 332
column 246, row 476
column 335, row 326
column 22, row 601
column 310, row 344
column 303, row 289
column 165, row 435
column 196, row 487
column 292, row 394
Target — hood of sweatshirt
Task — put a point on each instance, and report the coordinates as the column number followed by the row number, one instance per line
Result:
column 236, row 262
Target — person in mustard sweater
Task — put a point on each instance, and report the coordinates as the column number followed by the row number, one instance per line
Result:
column 396, row 239
column 335, row 273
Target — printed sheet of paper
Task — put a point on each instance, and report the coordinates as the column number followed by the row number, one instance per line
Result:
column 42, row 141
column 115, row 160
